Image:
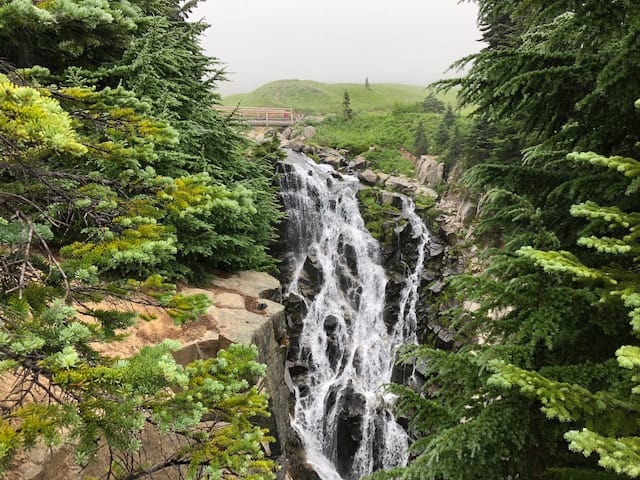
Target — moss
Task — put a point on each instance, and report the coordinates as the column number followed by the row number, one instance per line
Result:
column 380, row 219
column 426, row 209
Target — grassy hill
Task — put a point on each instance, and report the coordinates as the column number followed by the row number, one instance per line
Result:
column 324, row 98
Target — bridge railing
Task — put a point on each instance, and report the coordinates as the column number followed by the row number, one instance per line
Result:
column 262, row 116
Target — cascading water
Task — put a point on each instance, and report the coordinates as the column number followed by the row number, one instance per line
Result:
column 346, row 349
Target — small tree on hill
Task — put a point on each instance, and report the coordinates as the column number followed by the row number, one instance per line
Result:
column 346, row 106
column 421, row 144
column 433, row 105
column 442, row 136
column 449, row 117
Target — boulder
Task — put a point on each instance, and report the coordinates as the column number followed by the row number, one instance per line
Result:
column 429, row 171
column 436, row 248
column 390, row 198
column 351, row 407
column 400, row 184
column 423, row 191
column 296, row 146
column 383, row 177
column 368, row 177
column 311, row 277
column 254, row 284
column 358, row 163
column 287, row 133
column 467, row 212
column 333, row 161
column 309, row 150
column 309, row 132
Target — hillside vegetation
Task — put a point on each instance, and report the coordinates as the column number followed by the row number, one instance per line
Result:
column 311, row 97
column 118, row 180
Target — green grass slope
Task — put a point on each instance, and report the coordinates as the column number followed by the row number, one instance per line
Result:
column 311, row 97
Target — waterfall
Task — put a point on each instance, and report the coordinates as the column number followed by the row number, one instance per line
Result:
column 345, row 349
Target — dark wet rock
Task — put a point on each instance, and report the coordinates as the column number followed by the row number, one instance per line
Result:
column 330, row 323
column 349, row 431
column 348, row 252
column 429, row 275
column 311, row 278
column 296, row 369
column 333, row 352
column 295, row 311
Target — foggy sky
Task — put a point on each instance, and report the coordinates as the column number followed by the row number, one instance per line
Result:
column 404, row 41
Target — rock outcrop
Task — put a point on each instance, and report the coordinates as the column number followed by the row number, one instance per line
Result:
column 245, row 310
column 429, row 170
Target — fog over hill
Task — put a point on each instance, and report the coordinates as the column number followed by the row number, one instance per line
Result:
column 405, row 41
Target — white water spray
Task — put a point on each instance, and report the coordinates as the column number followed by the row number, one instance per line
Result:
column 341, row 412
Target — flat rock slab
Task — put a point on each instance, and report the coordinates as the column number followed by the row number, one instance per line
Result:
column 239, row 326
column 255, row 284
column 229, row 300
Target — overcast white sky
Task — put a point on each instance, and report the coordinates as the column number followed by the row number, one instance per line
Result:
column 404, row 41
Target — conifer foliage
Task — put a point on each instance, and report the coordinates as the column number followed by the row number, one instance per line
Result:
column 543, row 381
column 119, row 178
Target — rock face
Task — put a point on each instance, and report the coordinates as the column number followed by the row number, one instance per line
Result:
column 429, row 171
column 399, row 247
column 245, row 310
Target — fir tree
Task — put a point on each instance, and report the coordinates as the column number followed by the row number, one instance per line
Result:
column 442, row 136
column 608, row 416
column 51, row 200
column 431, row 104
column 421, row 145
column 347, row 112
column 118, row 176
column 449, row 118
column 545, row 84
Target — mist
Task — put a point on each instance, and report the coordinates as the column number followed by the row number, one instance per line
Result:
column 403, row 41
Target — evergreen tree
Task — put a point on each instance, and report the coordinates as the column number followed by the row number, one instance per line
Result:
column 431, row 104
column 347, row 112
column 420, row 144
column 449, row 118
column 71, row 235
column 119, row 176
column 442, row 136
column 554, row 77
column 608, row 417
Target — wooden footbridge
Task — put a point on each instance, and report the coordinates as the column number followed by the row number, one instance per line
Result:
column 262, row 116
